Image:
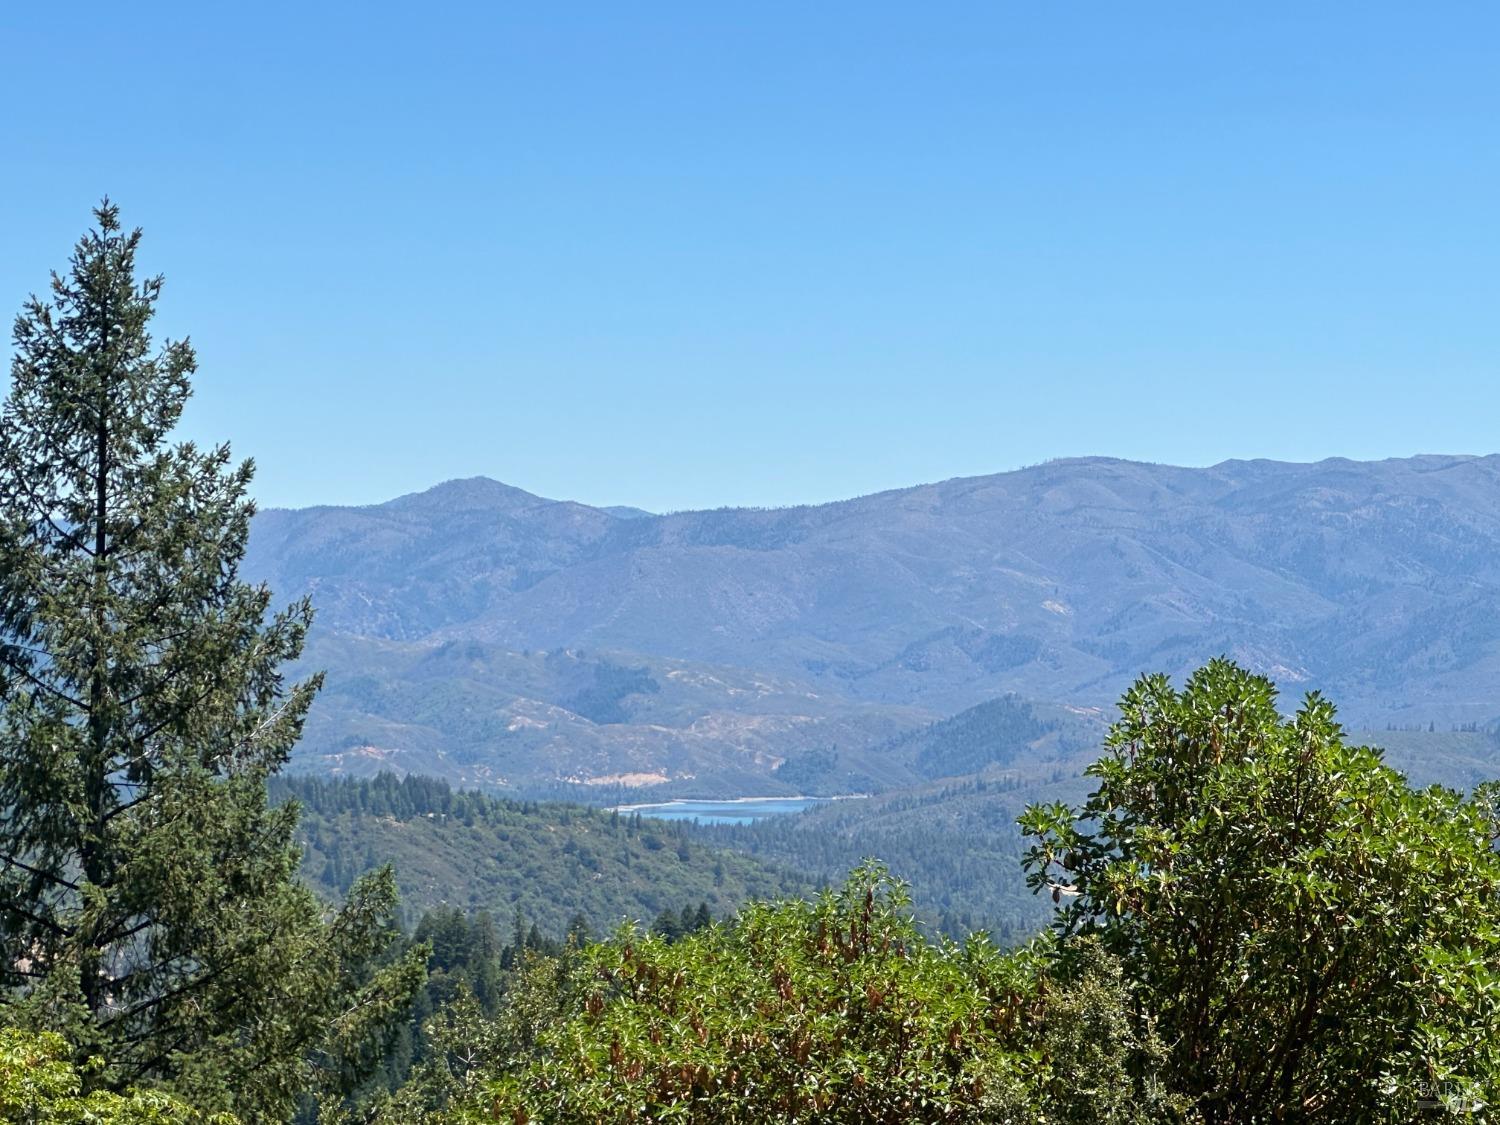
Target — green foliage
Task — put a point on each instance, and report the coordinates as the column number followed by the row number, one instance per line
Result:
column 464, row 1041
column 1316, row 940
column 39, row 1085
column 834, row 1010
column 550, row 862
column 813, row 771
column 997, row 731
column 603, row 699
column 954, row 842
column 474, row 971
column 149, row 904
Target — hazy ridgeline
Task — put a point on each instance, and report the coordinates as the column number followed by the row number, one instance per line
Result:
column 479, row 633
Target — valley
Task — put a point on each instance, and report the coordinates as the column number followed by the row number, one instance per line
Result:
column 938, row 657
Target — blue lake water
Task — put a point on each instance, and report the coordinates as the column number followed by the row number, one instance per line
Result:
column 746, row 811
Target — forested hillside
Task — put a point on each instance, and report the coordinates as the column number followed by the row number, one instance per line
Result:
column 544, row 863
column 953, row 840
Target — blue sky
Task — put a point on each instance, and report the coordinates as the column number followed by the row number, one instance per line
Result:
column 687, row 255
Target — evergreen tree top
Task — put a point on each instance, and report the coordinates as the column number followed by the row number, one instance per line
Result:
column 149, row 900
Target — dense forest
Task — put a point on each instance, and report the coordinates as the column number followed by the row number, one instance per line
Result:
column 1252, row 919
column 546, row 863
column 955, row 843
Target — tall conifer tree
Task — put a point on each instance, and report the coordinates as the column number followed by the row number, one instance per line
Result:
column 149, row 902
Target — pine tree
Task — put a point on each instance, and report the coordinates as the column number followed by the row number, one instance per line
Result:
column 149, row 901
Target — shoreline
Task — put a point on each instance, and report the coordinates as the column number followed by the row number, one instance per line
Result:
column 732, row 801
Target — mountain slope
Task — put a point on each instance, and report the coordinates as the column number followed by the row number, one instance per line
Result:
column 1376, row 582
column 480, row 714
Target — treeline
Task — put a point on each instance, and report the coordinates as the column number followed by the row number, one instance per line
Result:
column 551, row 863
column 993, row 732
column 954, row 843
column 1430, row 727
column 386, row 794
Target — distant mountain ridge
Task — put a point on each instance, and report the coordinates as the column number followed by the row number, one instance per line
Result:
column 1377, row 582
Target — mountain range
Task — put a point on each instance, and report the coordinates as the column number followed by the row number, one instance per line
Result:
column 488, row 635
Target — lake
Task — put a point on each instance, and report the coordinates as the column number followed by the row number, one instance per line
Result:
column 746, row 810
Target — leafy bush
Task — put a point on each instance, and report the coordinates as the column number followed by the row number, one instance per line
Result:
column 1316, row 940
column 836, row 1010
column 40, row 1086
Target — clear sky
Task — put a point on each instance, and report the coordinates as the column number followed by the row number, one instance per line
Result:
column 700, row 254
